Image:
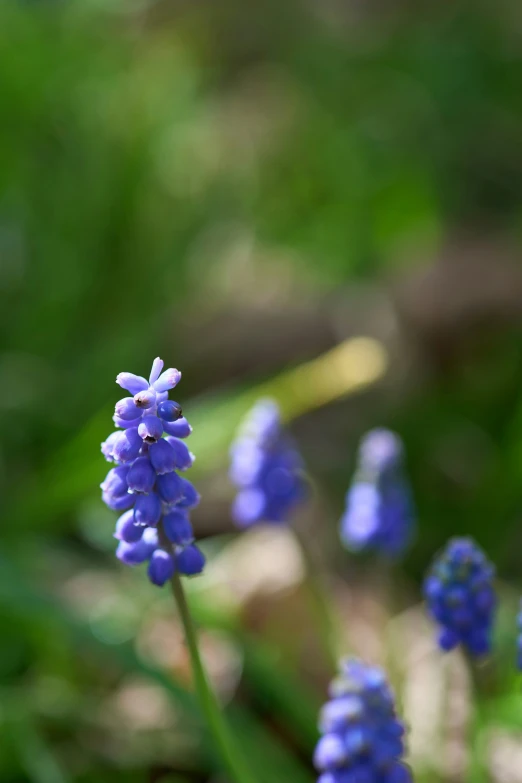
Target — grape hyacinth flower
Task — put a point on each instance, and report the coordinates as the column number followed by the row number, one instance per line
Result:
column 147, row 452
column 266, row 468
column 362, row 738
column 379, row 509
column 461, row 598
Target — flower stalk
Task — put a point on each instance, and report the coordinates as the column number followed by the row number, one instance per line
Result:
column 219, row 728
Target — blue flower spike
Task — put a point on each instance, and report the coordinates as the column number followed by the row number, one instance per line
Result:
column 379, row 513
column 155, row 526
column 460, row 597
column 266, row 469
column 362, row 739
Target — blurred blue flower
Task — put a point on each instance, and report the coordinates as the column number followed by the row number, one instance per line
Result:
column 266, row 468
column 461, row 598
column 144, row 483
column 362, row 738
column 379, row 509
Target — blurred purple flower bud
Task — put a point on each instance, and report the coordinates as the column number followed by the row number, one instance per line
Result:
column 108, row 445
column 177, row 527
column 330, row 752
column 161, row 567
column 190, row 560
column 138, row 552
column 127, row 530
column 118, row 502
column 190, row 496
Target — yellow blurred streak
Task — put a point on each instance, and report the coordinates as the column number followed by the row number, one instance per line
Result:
column 348, row 368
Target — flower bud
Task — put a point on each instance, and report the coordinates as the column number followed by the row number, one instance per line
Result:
column 170, row 487
column 150, row 429
column 177, row 527
column 190, row 560
column 180, row 428
column 167, row 380
column 161, row 567
column 169, row 411
column 184, row 458
column 144, row 399
column 141, row 476
column 126, row 409
column 162, row 456
column 127, row 446
column 126, row 528
column 147, row 509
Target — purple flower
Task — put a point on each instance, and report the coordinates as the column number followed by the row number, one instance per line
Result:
column 127, row 529
column 139, row 551
column 180, row 428
column 147, row 509
column 115, row 482
column 184, row 458
column 170, row 487
column 162, row 456
column 150, row 429
column 190, row 560
column 266, row 469
column 362, row 738
column 141, row 476
column 379, row 508
column 127, row 446
column 168, row 380
column 161, row 567
column 460, row 597
column 177, row 527
column 169, row 411
column 155, row 525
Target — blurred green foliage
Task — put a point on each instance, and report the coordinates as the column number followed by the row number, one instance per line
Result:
column 175, row 179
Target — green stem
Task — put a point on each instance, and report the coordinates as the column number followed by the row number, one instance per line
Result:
column 320, row 605
column 220, row 730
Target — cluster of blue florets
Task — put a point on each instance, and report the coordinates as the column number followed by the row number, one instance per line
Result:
column 145, row 485
column 461, row 598
column 266, row 468
column 379, row 510
column 362, row 738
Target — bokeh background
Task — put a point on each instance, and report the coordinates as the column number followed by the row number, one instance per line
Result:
column 320, row 200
